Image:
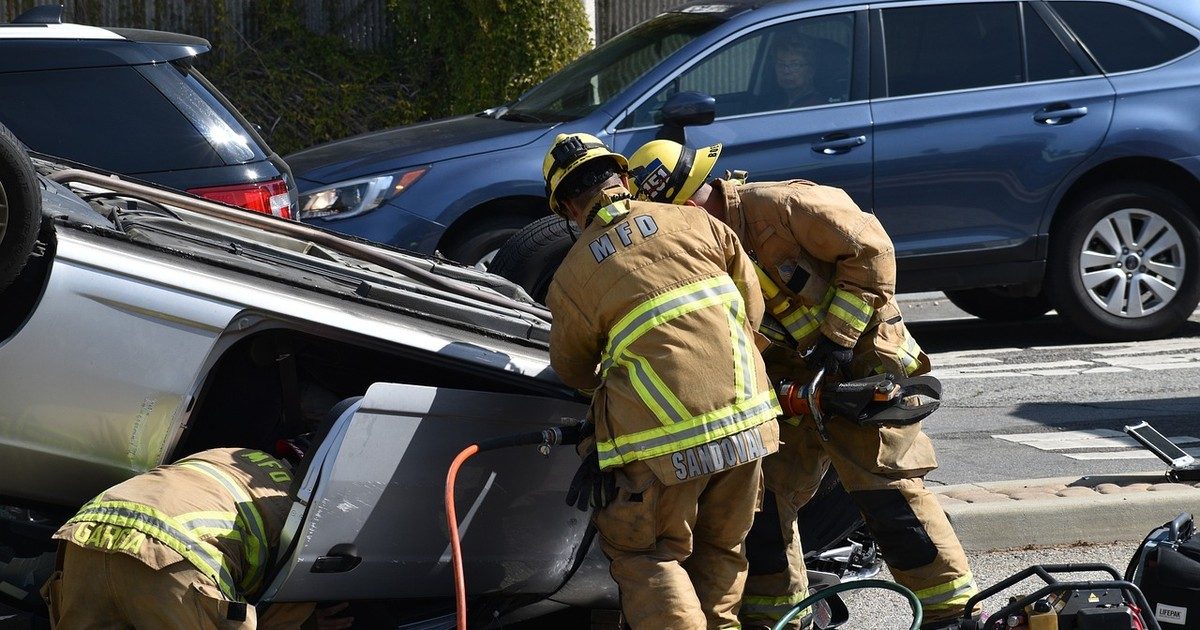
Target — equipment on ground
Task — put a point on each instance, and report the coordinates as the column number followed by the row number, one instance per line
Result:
column 1184, row 467
column 880, row 400
column 1113, row 604
column 1167, row 568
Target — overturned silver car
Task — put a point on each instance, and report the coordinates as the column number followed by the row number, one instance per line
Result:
column 138, row 325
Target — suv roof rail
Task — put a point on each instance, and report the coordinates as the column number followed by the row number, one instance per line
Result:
column 45, row 14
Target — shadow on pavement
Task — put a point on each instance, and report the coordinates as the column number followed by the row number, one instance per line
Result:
column 977, row 334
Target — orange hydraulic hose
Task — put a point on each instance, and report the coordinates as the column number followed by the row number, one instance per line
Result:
column 460, row 582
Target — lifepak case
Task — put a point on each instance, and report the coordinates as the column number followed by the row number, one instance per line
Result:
column 1167, row 569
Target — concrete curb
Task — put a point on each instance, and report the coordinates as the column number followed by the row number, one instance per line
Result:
column 1064, row 510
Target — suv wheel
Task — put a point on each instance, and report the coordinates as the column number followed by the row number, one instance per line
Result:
column 996, row 305
column 1125, row 263
column 530, row 258
column 477, row 243
column 20, row 207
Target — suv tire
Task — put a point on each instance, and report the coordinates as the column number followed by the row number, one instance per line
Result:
column 1121, row 236
column 478, row 242
column 20, row 207
column 530, row 258
column 995, row 305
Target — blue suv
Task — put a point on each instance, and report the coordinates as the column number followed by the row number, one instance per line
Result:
column 1023, row 155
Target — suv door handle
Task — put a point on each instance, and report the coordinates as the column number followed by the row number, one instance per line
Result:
column 1059, row 114
column 836, row 143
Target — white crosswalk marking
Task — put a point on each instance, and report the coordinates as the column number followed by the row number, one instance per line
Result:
column 1087, row 359
column 1056, row 441
column 1194, row 452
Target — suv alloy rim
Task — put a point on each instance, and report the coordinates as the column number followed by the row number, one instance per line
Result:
column 1132, row 263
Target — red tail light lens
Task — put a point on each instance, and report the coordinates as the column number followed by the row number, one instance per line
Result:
column 269, row 197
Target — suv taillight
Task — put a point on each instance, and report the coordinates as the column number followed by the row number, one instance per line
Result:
column 269, row 197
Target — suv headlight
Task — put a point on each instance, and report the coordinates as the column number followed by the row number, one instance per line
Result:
column 352, row 198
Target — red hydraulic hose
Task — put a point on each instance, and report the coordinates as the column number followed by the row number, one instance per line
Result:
column 460, row 582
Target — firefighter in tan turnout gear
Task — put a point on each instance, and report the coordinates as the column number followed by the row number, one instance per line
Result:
column 655, row 309
column 828, row 274
column 183, row 546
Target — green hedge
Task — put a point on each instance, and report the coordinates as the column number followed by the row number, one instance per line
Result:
column 438, row 57
column 448, row 57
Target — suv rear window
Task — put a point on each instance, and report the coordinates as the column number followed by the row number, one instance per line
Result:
column 1122, row 38
column 158, row 115
column 952, row 47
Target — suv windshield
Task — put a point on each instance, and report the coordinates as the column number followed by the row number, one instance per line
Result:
column 585, row 84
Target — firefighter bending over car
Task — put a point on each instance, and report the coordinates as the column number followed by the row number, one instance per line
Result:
column 655, row 308
column 828, row 272
column 185, row 546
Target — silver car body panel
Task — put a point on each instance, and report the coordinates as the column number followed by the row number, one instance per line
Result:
column 97, row 382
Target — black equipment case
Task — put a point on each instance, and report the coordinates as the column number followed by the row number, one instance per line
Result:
column 1167, row 568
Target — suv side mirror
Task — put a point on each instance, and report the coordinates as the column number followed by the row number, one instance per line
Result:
column 685, row 109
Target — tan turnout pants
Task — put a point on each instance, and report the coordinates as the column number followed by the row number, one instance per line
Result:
column 99, row 590
column 882, row 470
column 677, row 551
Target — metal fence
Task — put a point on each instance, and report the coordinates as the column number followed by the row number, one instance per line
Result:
column 361, row 23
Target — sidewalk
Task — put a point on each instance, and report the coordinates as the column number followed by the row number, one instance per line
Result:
column 1065, row 510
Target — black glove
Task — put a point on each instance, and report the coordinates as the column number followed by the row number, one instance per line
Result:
column 829, row 354
column 591, row 488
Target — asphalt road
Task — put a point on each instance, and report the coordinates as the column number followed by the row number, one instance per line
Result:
column 1031, row 382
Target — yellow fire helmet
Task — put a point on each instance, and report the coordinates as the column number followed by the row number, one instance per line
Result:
column 668, row 172
column 569, row 152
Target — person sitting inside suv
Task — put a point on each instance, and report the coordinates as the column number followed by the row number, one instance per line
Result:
column 807, row 71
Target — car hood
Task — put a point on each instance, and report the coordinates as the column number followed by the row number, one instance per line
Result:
column 401, row 147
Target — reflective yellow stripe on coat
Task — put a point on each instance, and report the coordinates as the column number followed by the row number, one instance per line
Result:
column 680, row 428
column 167, row 530
column 254, row 541
column 799, row 320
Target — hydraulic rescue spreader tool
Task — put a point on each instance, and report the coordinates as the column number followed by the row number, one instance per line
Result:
column 879, row 400
column 545, row 439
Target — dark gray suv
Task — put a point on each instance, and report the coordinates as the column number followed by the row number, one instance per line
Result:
column 129, row 101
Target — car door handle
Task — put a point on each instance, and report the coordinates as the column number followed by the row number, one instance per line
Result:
column 1060, row 115
column 838, row 143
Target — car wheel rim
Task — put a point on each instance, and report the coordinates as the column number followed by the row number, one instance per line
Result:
column 1132, row 263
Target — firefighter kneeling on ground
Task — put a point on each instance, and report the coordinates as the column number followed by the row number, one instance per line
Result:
column 655, row 308
column 184, row 546
column 828, row 274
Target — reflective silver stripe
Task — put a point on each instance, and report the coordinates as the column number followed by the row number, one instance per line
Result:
column 645, row 380
column 961, row 594
column 741, row 354
column 619, row 339
column 626, row 451
column 192, row 549
column 860, row 317
column 255, row 544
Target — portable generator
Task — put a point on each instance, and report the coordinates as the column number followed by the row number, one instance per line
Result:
column 1114, row 604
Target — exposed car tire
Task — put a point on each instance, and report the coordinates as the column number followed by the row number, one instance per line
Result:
column 530, row 258
column 997, row 306
column 1125, row 262
column 20, row 207
column 477, row 243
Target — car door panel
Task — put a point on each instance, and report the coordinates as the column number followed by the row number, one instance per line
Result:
column 974, row 169
column 825, row 138
column 369, row 521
